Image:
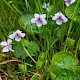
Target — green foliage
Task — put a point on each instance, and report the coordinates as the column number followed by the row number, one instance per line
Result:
column 19, row 50
column 23, row 68
column 52, row 10
column 25, row 23
column 43, row 54
column 53, row 76
column 41, row 60
column 63, row 64
column 73, row 12
column 32, row 46
column 70, row 43
column 34, row 77
column 62, row 58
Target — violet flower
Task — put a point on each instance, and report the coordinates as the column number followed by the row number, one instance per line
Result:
column 17, row 35
column 60, row 18
column 7, row 46
column 45, row 6
column 39, row 19
column 68, row 2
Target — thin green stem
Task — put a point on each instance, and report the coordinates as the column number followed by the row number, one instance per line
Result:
column 77, row 47
column 28, row 53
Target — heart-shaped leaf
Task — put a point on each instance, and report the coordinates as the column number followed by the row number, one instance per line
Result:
column 25, row 23
column 64, row 60
column 19, row 50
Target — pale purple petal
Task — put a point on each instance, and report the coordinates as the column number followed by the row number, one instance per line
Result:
column 18, row 31
column 60, row 18
column 33, row 20
column 67, row 3
column 72, row 1
column 39, row 23
column 48, row 9
column 59, row 21
column 22, row 34
column 47, row 4
column 56, row 16
column 43, row 16
column 44, row 22
column 10, row 48
column 65, row 19
column 44, row 6
column 12, row 36
column 60, row 14
column 9, row 41
column 5, row 49
column 7, row 46
column 17, row 35
column 17, row 38
column 36, row 15
column 39, row 20
column 3, row 43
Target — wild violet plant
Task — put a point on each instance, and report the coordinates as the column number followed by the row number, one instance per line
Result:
column 45, row 6
column 17, row 35
column 47, row 52
column 60, row 18
column 39, row 19
column 7, row 46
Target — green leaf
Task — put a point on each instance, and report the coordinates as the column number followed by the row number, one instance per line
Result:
column 70, row 12
column 34, row 77
column 65, row 74
column 32, row 46
column 41, row 60
column 64, row 60
column 53, row 76
column 75, row 73
column 76, row 69
column 42, row 56
column 23, row 68
column 19, row 50
column 59, row 73
column 57, row 70
column 64, row 77
column 64, row 67
column 59, row 35
column 70, row 43
column 39, row 64
column 25, row 23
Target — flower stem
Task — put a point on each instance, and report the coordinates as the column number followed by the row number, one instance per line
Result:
column 28, row 53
